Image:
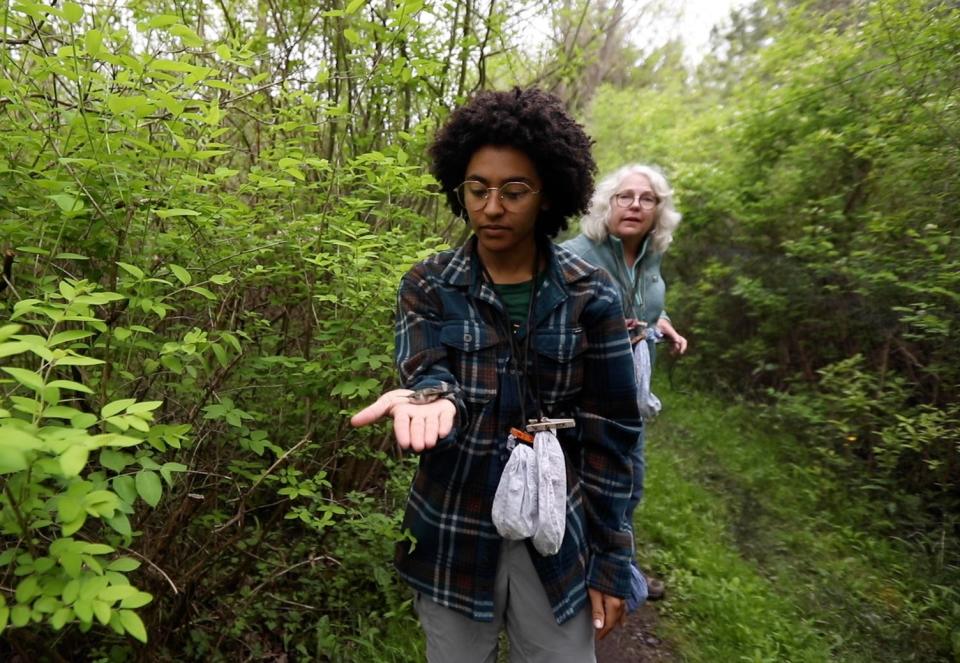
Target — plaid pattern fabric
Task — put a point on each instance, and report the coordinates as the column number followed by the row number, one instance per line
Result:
column 452, row 327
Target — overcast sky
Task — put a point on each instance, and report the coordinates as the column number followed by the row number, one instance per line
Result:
column 698, row 17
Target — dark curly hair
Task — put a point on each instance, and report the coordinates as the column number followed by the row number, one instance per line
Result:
column 534, row 122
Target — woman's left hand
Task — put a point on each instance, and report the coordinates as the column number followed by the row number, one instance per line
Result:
column 678, row 344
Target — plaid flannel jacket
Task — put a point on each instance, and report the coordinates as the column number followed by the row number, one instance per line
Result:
column 452, row 327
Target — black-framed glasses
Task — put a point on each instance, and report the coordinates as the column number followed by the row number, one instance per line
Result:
column 625, row 199
column 473, row 195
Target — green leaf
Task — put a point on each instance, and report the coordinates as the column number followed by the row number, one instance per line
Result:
column 96, row 548
column 20, row 615
column 188, row 36
column 11, row 460
column 6, row 331
column 124, row 487
column 124, row 565
column 221, row 279
column 115, row 593
column 83, row 420
column 71, row 528
column 67, row 202
column 60, row 618
column 69, row 384
column 13, row 348
column 134, row 626
column 93, row 42
column 177, row 211
column 60, row 412
column 144, row 406
column 27, row 589
column 102, row 610
column 203, row 291
column 354, row 6
column 182, row 275
column 114, row 460
column 28, row 379
column 84, row 610
column 73, row 460
column 132, row 270
column 68, row 336
column 72, row 12
column 138, row 600
column 137, row 423
column 161, row 21
column 220, row 353
column 71, row 591
column 167, row 468
column 213, row 114
column 77, row 360
column 119, row 105
column 110, row 409
column 149, row 487
column 121, row 524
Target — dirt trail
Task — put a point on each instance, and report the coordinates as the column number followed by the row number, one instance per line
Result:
column 636, row 641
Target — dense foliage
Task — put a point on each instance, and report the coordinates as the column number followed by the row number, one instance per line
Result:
column 818, row 266
column 205, row 209
column 818, row 261
column 203, row 227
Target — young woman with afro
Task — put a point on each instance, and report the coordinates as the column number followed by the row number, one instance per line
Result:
column 507, row 328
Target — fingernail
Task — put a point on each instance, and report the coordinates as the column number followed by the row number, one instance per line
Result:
column 597, row 623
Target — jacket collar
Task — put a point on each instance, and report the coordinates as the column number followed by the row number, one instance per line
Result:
column 616, row 247
column 564, row 267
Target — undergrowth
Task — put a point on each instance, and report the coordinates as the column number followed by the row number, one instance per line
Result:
column 771, row 558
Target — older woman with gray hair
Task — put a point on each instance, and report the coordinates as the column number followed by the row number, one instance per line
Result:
column 627, row 230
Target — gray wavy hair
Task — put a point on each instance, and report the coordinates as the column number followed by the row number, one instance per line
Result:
column 595, row 224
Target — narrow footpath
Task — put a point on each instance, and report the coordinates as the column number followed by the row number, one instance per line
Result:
column 768, row 557
column 636, row 640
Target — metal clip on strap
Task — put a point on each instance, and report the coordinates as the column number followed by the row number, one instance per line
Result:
column 537, row 425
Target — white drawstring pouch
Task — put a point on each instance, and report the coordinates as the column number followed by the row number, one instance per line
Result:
column 551, row 493
column 531, row 498
column 515, row 503
column 648, row 403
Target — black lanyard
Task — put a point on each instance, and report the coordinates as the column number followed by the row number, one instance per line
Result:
column 518, row 351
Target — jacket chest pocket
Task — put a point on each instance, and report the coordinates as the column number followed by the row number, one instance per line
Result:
column 472, row 351
column 559, row 362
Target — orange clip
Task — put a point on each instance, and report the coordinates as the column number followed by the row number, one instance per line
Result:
column 521, row 435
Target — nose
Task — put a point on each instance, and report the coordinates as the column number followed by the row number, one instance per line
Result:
column 635, row 203
column 493, row 206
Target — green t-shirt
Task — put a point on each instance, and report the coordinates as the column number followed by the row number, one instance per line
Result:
column 516, row 297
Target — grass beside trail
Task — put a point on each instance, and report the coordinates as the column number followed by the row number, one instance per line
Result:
column 768, row 559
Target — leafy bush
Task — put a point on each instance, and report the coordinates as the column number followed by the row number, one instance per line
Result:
column 203, row 233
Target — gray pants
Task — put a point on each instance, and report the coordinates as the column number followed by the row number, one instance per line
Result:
column 520, row 606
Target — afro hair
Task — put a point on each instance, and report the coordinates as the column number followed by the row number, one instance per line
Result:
column 534, row 122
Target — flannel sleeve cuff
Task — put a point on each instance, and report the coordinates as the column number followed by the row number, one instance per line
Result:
column 610, row 575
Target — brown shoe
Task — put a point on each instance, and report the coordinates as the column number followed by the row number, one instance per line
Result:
column 655, row 588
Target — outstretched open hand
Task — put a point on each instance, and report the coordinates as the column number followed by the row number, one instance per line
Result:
column 416, row 426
